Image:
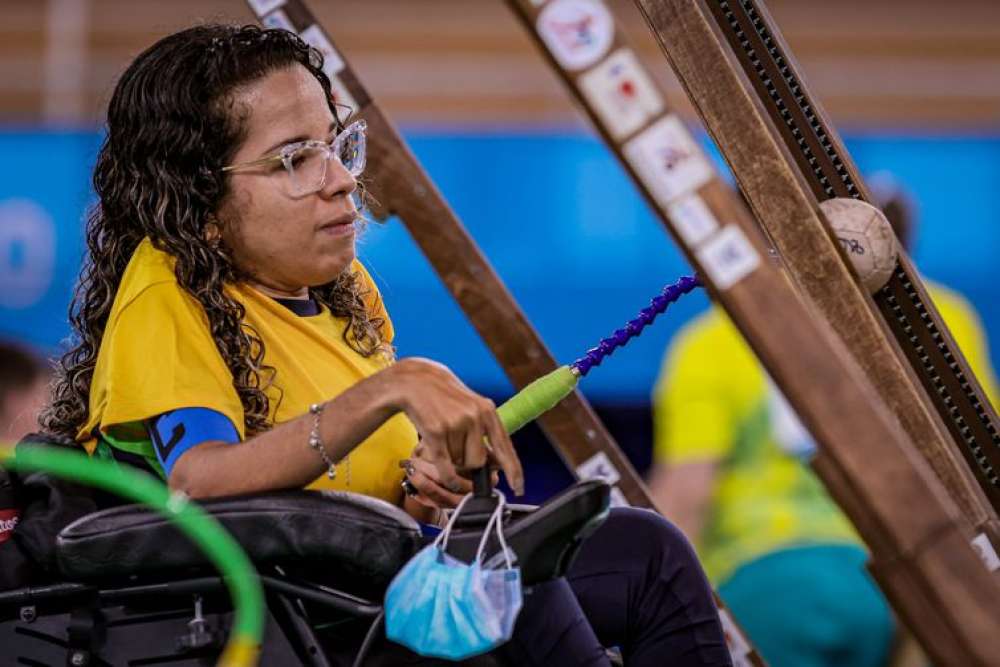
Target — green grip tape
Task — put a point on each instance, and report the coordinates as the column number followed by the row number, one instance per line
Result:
column 537, row 398
column 218, row 545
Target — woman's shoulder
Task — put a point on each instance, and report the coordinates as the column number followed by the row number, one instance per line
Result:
column 148, row 266
column 149, row 285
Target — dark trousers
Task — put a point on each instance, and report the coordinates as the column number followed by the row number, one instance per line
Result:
column 635, row 584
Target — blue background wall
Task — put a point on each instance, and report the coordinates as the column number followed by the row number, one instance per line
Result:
column 553, row 212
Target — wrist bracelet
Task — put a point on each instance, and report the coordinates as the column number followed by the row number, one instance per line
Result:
column 316, row 410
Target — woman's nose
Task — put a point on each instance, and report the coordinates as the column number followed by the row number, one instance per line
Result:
column 338, row 180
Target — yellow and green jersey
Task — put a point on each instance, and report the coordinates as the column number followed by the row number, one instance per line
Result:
column 158, row 355
column 714, row 402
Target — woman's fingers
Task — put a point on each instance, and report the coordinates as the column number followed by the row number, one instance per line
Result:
column 445, row 472
column 502, row 451
column 427, row 477
column 431, row 493
column 474, row 450
column 458, row 427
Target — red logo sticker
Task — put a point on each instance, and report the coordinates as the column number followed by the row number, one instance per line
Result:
column 8, row 521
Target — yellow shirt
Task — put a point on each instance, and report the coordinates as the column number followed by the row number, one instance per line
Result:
column 713, row 402
column 158, row 354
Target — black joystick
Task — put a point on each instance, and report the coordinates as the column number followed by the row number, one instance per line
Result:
column 478, row 510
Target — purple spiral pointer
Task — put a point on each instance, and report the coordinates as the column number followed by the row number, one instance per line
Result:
column 669, row 295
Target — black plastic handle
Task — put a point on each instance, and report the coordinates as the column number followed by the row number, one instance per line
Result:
column 482, row 484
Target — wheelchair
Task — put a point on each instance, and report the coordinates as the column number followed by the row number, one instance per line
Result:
column 131, row 590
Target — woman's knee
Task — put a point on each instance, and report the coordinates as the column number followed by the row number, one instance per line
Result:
column 649, row 527
column 640, row 584
column 639, row 535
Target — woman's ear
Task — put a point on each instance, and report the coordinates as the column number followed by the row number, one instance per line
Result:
column 212, row 231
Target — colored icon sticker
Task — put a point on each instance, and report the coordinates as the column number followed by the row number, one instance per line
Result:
column 668, row 160
column 692, row 219
column 728, row 257
column 278, row 19
column 598, row 466
column 577, row 32
column 262, row 7
column 622, row 94
column 332, row 62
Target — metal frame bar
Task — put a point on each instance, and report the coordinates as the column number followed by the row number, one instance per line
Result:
column 910, row 552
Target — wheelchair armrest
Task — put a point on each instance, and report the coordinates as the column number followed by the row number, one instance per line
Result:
column 352, row 537
column 547, row 539
column 357, row 536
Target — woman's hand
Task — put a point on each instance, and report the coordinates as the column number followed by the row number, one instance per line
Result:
column 427, row 481
column 460, row 431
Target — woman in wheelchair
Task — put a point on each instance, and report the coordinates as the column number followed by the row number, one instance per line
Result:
column 230, row 341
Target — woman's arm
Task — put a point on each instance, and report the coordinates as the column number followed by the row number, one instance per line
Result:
column 451, row 419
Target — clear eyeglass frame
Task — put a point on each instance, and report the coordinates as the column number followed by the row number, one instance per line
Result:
column 306, row 162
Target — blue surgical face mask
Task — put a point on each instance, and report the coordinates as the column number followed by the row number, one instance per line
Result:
column 440, row 607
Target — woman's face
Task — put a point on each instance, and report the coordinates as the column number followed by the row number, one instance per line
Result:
column 285, row 243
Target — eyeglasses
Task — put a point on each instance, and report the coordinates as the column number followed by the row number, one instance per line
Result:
column 305, row 161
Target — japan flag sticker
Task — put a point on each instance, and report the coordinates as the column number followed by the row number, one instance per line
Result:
column 577, row 32
column 622, row 94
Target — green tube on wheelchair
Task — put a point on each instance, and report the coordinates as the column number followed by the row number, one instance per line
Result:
column 537, row 398
column 219, row 546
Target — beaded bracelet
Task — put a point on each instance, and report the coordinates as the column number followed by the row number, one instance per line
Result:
column 316, row 410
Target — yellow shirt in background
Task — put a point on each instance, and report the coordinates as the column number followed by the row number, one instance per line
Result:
column 714, row 402
column 158, row 354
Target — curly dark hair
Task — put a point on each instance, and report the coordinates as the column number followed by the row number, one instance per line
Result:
column 172, row 125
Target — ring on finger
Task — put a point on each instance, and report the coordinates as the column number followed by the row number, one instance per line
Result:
column 408, row 487
column 408, row 467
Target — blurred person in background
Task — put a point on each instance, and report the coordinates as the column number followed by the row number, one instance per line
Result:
column 730, row 468
column 24, row 386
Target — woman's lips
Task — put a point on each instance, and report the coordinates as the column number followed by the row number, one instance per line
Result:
column 338, row 228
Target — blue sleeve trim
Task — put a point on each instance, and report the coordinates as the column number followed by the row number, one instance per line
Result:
column 177, row 431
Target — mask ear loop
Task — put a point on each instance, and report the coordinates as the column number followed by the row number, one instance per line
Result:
column 441, row 541
column 496, row 522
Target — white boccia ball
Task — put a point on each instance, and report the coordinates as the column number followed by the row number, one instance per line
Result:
column 866, row 237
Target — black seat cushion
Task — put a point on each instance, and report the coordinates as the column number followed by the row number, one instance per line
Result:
column 355, row 535
column 46, row 504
